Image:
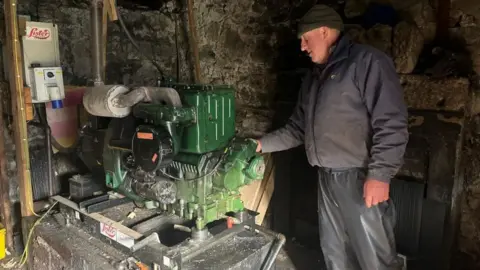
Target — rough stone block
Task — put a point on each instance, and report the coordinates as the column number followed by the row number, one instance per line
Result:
column 407, row 46
column 354, row 8
column 448, row 94
column 423, row 15
column 470, row 37
column 253, row 123
column 379, row 36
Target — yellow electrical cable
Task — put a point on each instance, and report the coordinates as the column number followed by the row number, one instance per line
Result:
column 30, row 207
column 24, row 257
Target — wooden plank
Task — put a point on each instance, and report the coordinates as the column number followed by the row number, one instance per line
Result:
column 18, row 106
column 110, row 8
column 265, row 199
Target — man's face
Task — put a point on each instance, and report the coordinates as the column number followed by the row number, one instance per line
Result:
column 316, row 44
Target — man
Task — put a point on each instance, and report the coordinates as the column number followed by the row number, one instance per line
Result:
column 353, row 121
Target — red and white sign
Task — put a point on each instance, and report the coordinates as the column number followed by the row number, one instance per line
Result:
column 116, row 235
column 108, row 231
column 38, row 33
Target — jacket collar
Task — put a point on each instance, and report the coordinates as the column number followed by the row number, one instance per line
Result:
column 341, row 51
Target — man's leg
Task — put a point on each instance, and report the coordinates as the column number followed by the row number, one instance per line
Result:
column 370, row 230
column 333, row 236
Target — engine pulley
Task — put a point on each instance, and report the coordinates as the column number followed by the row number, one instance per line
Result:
column 152, row 148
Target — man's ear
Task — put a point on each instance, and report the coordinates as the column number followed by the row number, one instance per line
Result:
column 326, row 32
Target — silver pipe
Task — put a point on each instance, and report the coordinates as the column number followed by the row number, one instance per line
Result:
column 96, row 14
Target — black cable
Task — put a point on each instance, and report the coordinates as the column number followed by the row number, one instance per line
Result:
column 134, row 43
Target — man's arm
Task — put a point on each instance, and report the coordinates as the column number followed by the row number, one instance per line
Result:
column 292, row 134
column 383, row 97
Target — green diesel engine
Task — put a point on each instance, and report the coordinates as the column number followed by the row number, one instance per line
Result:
column 175, row 148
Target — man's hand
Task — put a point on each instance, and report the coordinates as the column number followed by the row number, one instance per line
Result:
column 375, row 192
column 259, row 146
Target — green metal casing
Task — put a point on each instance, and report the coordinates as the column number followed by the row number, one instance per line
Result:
column 215, row 111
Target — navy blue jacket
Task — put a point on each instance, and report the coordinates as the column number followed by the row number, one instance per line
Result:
column 351, row 113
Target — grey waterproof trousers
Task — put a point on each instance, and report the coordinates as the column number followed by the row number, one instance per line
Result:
column 352, row 236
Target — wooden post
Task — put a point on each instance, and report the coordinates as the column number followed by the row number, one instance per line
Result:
column 15, row 72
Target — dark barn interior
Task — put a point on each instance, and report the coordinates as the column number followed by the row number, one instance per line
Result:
column 252, row 46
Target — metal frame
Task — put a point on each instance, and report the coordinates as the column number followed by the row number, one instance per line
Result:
column 148, row 249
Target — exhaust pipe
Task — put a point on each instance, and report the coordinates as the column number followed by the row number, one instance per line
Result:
column 96, row 14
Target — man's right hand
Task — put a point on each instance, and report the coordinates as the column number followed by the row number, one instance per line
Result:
column 259, row 146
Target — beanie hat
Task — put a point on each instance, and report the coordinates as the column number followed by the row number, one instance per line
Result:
column 318, row 16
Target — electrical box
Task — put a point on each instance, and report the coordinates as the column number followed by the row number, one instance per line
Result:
column 47, row 85
column 40, row 47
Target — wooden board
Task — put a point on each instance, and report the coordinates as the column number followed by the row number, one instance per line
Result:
column 15, row 71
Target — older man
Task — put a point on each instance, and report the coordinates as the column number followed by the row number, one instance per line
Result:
column 352, row 119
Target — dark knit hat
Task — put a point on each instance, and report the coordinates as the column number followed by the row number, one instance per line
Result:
column 318, row 16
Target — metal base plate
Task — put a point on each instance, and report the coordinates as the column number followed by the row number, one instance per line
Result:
column 234, row 248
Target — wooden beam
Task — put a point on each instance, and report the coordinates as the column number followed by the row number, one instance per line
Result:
column 18, row 106
column 110, row 8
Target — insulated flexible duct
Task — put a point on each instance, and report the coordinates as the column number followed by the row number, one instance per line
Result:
column 116, row 101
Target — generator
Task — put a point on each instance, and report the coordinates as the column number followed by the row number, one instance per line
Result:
column 173, row 148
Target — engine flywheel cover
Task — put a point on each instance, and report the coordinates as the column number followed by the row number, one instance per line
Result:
column 152, row 148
